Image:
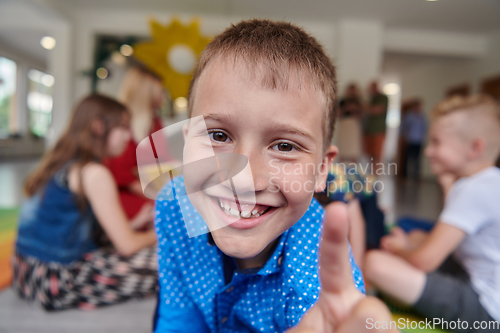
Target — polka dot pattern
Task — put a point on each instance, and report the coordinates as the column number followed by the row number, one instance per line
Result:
column 191, row 275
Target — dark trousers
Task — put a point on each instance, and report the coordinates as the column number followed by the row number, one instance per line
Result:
column 412, row 167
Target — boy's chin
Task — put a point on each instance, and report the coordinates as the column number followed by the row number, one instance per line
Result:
column 437, row 169
column 238, row 247
column 241, row 254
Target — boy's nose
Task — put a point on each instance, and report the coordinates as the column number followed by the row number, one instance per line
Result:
column 255, row 177
column 242, row 184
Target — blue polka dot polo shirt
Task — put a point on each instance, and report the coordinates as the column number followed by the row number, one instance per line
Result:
column 194, row 296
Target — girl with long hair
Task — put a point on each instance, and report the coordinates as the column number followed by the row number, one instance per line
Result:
column 142, row 92
column 59, row 261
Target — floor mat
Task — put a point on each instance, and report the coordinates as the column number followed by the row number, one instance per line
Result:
column 8, row 221
column 407, row 320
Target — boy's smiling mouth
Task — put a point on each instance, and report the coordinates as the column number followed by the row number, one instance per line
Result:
column 241, row 215
column 244, row 211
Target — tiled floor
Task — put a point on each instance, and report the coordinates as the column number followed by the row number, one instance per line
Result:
column 421, row 199
column 17, row 316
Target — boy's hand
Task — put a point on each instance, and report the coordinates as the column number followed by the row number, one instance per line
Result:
column 397, row 242
column 341, row 307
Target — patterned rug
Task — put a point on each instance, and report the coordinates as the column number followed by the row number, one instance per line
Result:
column 8, row 221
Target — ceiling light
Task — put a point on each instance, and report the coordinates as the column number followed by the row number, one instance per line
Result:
column 180, row 104
column 118, row 58
column 102, row 73
column 392, row 89
column 126, row 50
column 48, row 42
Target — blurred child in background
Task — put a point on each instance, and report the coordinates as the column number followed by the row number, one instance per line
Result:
column 366, row 220
column 464, row 144
column 58, row 262
column 142, row 92
column 375, row 127
column 349, row 126
column 414, row 131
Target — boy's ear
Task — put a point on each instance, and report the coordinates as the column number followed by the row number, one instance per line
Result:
column 328, row 158
column 478, row 147
column 185, row 131
column 97, row 127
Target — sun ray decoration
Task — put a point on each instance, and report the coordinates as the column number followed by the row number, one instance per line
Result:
column 172, row 54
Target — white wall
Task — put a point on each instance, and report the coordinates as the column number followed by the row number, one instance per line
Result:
column 432, row 77
column 436, row 42
column 490, row 64
column 89, row 23
column 359, row 51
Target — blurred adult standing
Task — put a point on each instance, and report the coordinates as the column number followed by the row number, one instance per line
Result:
column 414, row 131
column 374, row 130
column 349, row 125
column 143, row 94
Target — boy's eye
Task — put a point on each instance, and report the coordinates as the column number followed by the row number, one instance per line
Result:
column 219, row 136
column 285, row 147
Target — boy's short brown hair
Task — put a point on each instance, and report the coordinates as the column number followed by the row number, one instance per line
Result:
column 483, row 117
column 275, row 49
column 460, row 103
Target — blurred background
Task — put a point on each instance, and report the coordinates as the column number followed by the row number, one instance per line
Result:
column 54, row 52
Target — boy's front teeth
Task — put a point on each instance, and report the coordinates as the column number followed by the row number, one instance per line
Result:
column 246, row 214
column 235, row 213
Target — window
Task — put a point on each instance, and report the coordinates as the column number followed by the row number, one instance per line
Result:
column 40, row 101
column 8, row 91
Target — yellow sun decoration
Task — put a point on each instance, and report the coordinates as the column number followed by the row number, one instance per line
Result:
column 172, row 53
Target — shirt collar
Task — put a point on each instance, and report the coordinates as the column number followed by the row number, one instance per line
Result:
column 273, row 264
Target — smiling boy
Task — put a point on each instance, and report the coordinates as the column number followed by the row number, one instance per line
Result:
column 266, row 91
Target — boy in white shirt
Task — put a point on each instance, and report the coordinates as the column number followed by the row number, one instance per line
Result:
column 463, row 146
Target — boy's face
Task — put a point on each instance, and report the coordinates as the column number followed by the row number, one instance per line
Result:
column 281, row 134
column 447, row 148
